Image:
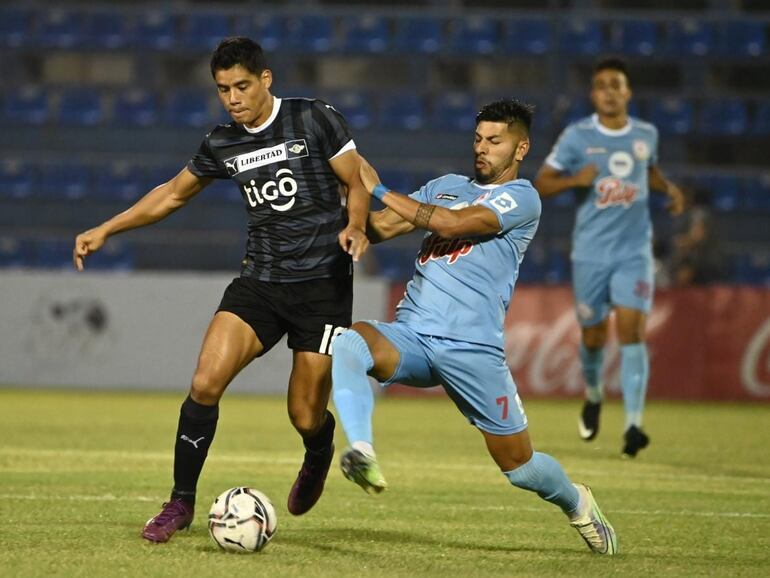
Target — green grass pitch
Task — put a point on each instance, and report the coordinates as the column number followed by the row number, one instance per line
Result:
column 80, row 472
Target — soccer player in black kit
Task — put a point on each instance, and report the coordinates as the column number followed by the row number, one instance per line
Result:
column 290, row 158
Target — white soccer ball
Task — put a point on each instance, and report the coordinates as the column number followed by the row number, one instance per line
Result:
column 242, row 520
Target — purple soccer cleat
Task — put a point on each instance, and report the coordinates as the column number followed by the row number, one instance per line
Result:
column 175, row 515
column 309, row 485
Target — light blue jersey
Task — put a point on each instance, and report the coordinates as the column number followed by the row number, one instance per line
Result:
column 613, row 221
column 462, row 287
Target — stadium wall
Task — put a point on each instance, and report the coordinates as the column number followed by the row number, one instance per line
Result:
column 705, row 343
column 135, row 330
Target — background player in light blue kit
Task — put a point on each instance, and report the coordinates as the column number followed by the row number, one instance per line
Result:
column 449, row 326
column 611, row 159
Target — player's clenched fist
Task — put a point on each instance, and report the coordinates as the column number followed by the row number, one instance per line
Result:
column 86, row 243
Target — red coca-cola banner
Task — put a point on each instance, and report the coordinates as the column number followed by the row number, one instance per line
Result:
column 704, row 343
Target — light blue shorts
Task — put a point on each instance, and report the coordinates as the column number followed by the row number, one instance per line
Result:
column 598, row 287
column 475, row 376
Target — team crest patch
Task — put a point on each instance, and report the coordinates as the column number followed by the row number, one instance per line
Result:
column 641, row 150
column 620, row 164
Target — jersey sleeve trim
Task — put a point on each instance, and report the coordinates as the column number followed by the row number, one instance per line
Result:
column 349, row 146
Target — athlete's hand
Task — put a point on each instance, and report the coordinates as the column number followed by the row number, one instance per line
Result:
column 353, row 241
column 586, row 176
column 86, row 243
column 676, row 201
column 369, row 176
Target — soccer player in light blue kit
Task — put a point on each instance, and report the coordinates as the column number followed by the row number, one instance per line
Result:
column 449, row 326
column 611, row 159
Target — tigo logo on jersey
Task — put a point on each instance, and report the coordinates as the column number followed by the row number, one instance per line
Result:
column 292, row 149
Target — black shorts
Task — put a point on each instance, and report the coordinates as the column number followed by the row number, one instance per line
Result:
column 311, row 312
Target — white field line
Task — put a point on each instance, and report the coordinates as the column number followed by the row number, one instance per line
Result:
column 279, row 459
column 661, row 513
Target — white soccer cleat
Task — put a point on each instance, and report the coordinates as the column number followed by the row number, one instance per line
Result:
column 593, row 527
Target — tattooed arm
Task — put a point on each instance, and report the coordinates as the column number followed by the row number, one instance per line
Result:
column 470, row 221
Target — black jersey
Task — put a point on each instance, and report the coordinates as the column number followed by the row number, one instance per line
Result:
column 291, row 192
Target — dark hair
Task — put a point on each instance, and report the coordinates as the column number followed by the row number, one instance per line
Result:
column 611, row 63
column 238, row 50
column 510, row 111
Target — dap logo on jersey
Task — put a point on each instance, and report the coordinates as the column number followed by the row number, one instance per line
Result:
column 292, row 149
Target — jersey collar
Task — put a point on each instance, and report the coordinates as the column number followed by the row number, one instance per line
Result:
column 610, row 131
column 268, row 122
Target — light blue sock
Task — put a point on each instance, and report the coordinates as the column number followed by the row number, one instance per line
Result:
column 634, row 373
column 352, row 393
column 544, row 475
column 592, row 360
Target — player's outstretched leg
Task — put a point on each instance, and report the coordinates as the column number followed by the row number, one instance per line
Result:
column 175, row 515
column 363, row 470
column 544, row 475
column 309, row 485
column 592, row 526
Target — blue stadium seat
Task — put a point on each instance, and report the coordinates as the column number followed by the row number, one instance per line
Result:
column 726, row 192
column 268, row 30
column 744, row 38
column 366, row 34
column 393, row 262
column 188, row 107
column 116, row 255
column 636, row 37
column 474, row 35
column 16, row 180
column 121, row 182
column 64, row 182
column 534, row 267
column 529, row 36
column 15, row 252
column 107, row 30
column 27, row 105
column 15, row 24
column 310, row 33
column 672, row 115
column 52, row 254
column 136, row 107
column 557, row 267
column 578, row 108
column 582, row 37
column 423, row 35
column 691, row 38
column 81, row 107
column 398, row 180
column 757, row 193
column 355, row 106
column 155, row 30
column 402, row 111
column 454, row 111
column 61, row 29
column 203, row 31
column 727, row 117
column 752, row 269
column 761, row 120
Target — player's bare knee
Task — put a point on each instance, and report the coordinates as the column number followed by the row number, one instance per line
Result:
column 595, row 337
column 205, row 389
column 306, row 422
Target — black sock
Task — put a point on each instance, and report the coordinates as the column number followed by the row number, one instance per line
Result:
column 321, row 440
column 197, row 425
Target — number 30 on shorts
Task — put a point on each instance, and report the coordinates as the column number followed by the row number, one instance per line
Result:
column 330, row 334
column 503, row 403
